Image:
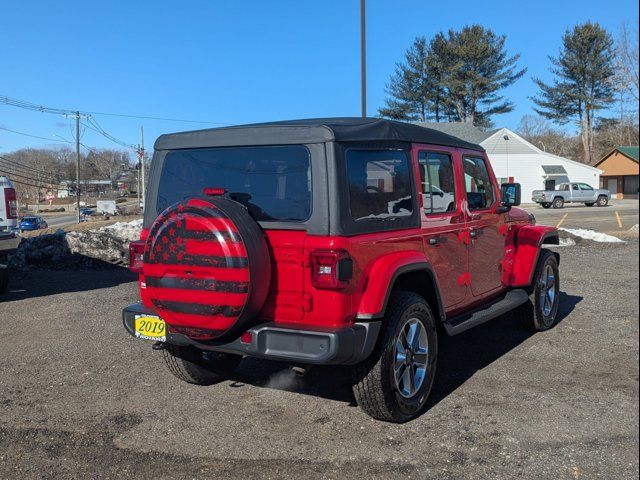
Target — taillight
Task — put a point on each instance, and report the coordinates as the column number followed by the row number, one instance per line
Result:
column 331, row 269
column 10, row 203
column 136, row 256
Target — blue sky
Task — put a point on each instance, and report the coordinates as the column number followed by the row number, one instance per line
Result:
column 241, row 61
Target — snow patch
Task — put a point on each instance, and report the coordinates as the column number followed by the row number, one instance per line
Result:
column 90, row 248
column 566, row 242
column 592, row 235
column 634, row 229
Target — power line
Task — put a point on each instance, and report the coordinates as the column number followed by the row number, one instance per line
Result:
column 62, row 111
column 24, row 167
column 35, row 136
column 13, row 174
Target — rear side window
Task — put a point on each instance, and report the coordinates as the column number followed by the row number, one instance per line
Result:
column 274, row 183
column 480, row 192
column 438, row 184
column 379, row 184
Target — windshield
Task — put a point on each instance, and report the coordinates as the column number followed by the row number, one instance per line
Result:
column 274, row 183
column 29, row 219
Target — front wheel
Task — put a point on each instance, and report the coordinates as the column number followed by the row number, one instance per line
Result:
column 589, row 204
column 393, row 384
column 546, row 205
column 603, row 201
column 197, row 366
column 541, row 310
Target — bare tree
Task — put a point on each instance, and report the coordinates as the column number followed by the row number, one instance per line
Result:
column 627, row 61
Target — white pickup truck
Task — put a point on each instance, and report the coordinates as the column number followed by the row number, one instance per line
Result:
column 571, row 193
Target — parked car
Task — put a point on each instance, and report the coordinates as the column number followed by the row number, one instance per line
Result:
column 32, row 223
column 571, row 193
column 312, row 242
column 87, row 211
column 8, row 243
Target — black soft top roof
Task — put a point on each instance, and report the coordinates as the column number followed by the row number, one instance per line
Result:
column 317, row 130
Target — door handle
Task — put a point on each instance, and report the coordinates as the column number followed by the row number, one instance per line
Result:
column 474, row 232
column 437, row 240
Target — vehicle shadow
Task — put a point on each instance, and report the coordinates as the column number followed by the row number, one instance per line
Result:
column 42, row 282
column 460, row 357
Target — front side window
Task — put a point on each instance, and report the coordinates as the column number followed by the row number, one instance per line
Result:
column 379, row 184
column 480, row 193
column 438, row 182
column 584, row 186
column 274, row 183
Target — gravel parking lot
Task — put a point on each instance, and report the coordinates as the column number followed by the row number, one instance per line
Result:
column 80, row 398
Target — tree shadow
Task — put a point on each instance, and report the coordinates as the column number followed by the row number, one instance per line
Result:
column 460, row 357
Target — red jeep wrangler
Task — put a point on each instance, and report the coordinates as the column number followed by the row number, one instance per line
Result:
column 332, row 241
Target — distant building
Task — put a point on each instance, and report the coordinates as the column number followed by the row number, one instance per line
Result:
column 620, row 172
column 516, row 160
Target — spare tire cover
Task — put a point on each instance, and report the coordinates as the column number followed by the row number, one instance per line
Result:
column 207, row 266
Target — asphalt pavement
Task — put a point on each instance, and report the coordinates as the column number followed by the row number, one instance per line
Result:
column 618, row 217
column 82, row 399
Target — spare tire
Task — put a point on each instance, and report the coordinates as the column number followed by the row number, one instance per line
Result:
column 206, row 268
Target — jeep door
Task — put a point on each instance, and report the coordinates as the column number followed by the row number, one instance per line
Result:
column 486, row 242
column 443, row 221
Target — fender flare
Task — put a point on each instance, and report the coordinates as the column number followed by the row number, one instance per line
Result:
column 386, row 271
column 529, row 241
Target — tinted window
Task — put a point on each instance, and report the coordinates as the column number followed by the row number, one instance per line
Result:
column 575, row 186
column 274, row 183
column 480, row 192
column 438, row 184
column 379, row 184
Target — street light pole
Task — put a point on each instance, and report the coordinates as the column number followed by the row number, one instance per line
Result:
column 363, row 58
column 78, row 165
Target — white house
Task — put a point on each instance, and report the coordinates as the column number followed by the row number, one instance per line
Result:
column 515, row 159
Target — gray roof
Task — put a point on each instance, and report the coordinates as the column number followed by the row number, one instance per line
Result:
column 465, row 131
column 554, row 169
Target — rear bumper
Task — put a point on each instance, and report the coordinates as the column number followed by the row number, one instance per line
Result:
column 314, row 346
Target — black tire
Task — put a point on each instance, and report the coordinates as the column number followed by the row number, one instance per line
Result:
column 374, row 380
column 199, row 367
column 603, row 201
column 531, row 314
column 589, row 204
column 546, row 205
column 4, row 280
column 558, row 202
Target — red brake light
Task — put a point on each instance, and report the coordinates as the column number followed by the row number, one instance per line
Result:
column 10, row 203
column 136, row 256
column 214, row 192
column 330, row 269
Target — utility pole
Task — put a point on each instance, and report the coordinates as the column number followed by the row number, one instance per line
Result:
column 363, row 58
column 78, row 165
column 142, row 167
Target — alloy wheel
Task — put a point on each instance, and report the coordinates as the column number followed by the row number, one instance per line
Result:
column 548, row 293
column 411, row 353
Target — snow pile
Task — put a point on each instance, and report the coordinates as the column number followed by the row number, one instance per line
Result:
column 567, row 242
column 91, row 248
column 634, row 229
column 592, row 235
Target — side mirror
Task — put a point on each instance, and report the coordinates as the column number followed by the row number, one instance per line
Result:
column 511, row 195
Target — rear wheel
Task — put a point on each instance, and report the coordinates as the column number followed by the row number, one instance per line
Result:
column 546, row 205
column 603, row 201
column 393, row 384
column 558, row 202
column 540, row 312
column 199, row 367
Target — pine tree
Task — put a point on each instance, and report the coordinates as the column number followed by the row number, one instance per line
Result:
column 456, row 77
column 582, row 85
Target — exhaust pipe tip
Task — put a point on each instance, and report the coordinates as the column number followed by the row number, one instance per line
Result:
column 300, row 370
